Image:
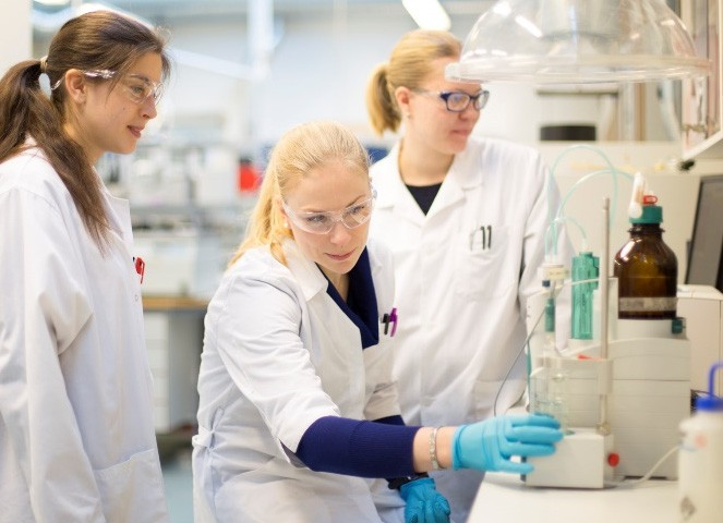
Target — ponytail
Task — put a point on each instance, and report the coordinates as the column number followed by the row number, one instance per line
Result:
column 25, row 112
column 381, row 105
column 409, row 65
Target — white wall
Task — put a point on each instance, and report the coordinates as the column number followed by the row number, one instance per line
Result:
column 320, row 69
column 15, row 33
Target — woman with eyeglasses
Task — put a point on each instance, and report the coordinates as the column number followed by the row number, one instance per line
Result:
column 77, row 440
column 465, row 217
column 298, row 416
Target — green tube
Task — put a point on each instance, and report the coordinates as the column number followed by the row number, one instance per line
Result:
column 585, row 266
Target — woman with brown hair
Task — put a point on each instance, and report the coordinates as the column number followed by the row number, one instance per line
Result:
column 77, row 441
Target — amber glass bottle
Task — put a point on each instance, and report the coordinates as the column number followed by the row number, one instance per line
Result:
column 647, row 270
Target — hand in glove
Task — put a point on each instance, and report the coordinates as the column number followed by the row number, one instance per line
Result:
column 423, row 503
column 489, row 445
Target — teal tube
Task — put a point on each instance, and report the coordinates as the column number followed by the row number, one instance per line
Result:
column 550, row 315
column 585, row 266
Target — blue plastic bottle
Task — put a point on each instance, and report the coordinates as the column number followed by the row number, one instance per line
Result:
column 700, row 459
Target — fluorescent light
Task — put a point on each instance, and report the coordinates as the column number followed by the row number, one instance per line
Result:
column 428, row 14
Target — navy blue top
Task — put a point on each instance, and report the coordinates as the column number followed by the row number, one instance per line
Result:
column 373, row 449
column 361, row 304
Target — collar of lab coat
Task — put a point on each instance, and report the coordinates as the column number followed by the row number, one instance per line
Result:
column 463, row 175
column 118, row 211
column 307, row 273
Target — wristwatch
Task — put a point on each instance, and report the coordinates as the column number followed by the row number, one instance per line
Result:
column 396, row 483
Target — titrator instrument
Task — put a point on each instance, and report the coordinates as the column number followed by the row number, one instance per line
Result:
column 621, row 386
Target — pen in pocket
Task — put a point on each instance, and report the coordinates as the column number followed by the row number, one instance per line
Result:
column 484, row 233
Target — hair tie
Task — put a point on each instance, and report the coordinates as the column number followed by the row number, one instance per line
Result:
column 43, row 79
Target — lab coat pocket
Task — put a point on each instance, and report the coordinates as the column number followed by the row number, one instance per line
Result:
column 133, row 490
column 483, row 269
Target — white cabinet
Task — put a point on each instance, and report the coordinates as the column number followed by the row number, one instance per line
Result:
column 174, row 339
column 702, row 308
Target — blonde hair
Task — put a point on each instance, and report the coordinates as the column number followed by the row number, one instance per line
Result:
column 410, row 63
column 299, row 151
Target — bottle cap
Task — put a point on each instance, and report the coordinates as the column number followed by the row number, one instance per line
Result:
column 678, row 325
column 650, row 214
column 709, row 403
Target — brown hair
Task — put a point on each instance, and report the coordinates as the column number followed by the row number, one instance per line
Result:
column 300, row 150
column 409, row 64
column 96, row 40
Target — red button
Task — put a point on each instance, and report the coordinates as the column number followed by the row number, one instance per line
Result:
column 613, row 459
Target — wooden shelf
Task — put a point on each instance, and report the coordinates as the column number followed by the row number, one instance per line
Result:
column 174, row 303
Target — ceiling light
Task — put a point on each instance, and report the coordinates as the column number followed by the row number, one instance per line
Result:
column 52, row 2
column 428, row 14
column 576, row 42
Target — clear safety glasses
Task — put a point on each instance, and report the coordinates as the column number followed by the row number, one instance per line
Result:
column 323, row 222
column 458, row 101
column 136, row 87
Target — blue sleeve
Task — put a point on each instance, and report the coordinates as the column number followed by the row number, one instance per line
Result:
column 391, row 420
column 358, row 448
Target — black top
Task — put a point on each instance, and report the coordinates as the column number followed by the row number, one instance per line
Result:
column 424, row 195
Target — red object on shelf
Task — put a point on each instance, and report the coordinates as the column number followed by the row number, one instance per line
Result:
column 248, row 177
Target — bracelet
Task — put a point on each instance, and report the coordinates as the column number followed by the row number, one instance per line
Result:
column 433, row 449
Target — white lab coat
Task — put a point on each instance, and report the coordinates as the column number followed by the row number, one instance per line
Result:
column 76, row 431
column 461, row 296
column 278, row 355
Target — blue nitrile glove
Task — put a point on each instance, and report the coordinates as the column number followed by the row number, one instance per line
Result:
column 489, row 445
column 423, row 503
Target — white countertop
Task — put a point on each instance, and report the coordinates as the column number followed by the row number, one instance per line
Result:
column 504, row 497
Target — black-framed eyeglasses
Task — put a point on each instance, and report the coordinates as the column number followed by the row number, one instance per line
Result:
column 458, row 101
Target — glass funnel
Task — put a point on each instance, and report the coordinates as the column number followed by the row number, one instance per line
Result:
column 576, row 42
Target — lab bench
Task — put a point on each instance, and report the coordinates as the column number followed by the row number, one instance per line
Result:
column 174, row 340
column 504, row 497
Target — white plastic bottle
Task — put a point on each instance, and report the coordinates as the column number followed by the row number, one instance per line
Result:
column 700, row 460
